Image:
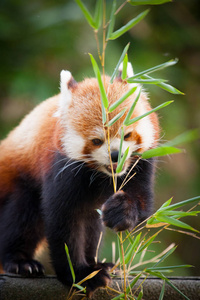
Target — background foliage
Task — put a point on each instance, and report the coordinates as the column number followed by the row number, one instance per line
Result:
column 38, row 39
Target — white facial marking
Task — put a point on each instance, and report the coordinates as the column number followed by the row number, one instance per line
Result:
column 101, row 156
column 97, row 133
column 73, row 144
column 115, row 145
column 145, row 128
column 146, row 131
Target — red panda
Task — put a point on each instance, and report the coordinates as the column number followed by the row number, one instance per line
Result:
column 55, row 172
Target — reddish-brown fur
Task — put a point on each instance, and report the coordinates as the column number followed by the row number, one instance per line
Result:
column 18, row 156
column 34, row 157
column 88, row 115
column 49, row 192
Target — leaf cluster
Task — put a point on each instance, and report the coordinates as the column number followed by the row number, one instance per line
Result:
column 168, row 214
column 141, row 242
column 136, row 80
column 165, row 149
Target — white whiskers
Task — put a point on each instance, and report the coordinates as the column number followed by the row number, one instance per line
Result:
column 65, row 167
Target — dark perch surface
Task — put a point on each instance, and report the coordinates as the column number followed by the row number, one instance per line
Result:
column 49, row 288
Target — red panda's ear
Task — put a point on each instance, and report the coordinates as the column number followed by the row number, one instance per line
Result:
column 67, row 83
column 129, row 73
column 129, row 70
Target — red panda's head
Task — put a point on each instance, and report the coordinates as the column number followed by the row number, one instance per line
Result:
column 85, row 137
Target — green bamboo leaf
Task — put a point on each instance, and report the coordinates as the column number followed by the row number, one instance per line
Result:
column 101, row 86
column 121, row 143
column 134, row 273
column 167, row 87
column 160, row 275
column 140, row 294
column 174, row 222
column 116, row 118
column 79, row 287
column 124, row 70
column 152, row 221
column 129, row 122
column 131, row 285
column 128, row 26
column 166, row 204
column 98, row 14
column 119, row 62
column 70, row 263
column 185, row 137
column 168, row 268
column 178, row 213
column 122, row 161
column 112, row 20
column 182, row 203
column 129, row 237
column 86, row 13
column 157, row 274
column 165, row 256
column 119, row 297
column 160, row 151
column 162, row 291
column 156, row 68
column 147, row 243
column 133, row 247
column 148, row 2
column 175, row 288
column 104, row 118
column 130, row 112
column 122, row 99
column 145, row 81
column 119, row 249
column 133, row 282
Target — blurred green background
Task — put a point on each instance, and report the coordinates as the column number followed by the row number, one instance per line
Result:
column 40, row 38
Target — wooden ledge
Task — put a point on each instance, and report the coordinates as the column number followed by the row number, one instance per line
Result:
column 49, row 288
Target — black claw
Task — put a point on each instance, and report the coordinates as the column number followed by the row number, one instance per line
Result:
column 24, row 267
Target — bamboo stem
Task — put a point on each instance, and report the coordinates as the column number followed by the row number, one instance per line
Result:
column 109, row 153
column 124, row 266
column 123, row 4
column 97, row 42
column 104, row 40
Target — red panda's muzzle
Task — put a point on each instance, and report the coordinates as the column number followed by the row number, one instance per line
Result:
column 109, row 168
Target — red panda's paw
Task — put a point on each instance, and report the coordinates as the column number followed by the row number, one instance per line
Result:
column 107, row 266
column 101, row 279
column 119, row 212
column 24, row 267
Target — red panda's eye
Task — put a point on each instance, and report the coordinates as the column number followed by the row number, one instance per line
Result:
column 128, row 135
column 97, row 142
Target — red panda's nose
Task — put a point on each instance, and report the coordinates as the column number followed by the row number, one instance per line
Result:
column 114, row 156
